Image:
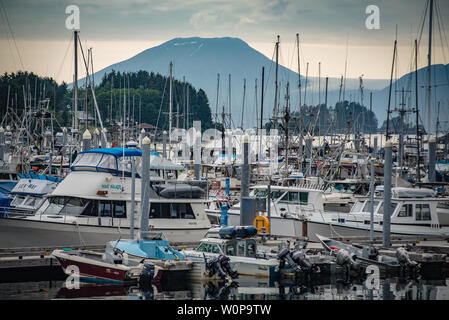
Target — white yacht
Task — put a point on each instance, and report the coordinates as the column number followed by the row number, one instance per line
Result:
column 290, row 206
column 92, row 205
column 414, row 212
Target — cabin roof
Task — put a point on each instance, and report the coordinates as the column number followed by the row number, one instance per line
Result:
column 117, row 152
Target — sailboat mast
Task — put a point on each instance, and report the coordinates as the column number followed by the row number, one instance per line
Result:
column 75, row 83
column 429, row 72
column 299, row 73
column 170, row 105
column 276, row 85
column 216, row 104
column 418, row 173
column 243, row 104
column 261, row 99
column 387, row 133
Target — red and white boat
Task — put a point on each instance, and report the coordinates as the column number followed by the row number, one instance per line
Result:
column 105, row 267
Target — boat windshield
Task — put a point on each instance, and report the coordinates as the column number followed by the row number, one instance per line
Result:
column 103, row 162
column 393, row 208
column 364, row 206
column 358, row 206
column 93, row 161
column 262, row 193
column 208, row 247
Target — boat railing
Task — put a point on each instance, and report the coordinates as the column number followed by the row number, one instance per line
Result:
column 9, row 212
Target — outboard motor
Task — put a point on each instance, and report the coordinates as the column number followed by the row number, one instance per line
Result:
column 146, row 276
column 296, row 259
column 225, row 263
column 370, row 252
column 220, row 265
column 285, row 256
column 345, row 260
column 404, row 259
column 300, row 258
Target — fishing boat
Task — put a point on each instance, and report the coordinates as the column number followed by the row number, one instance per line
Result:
column 289, row 207
column 415, row 212
column 92, row 206
column 110, row 266
column 239, row 245
column 154, row 247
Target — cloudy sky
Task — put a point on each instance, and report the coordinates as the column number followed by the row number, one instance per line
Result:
column 33, row 35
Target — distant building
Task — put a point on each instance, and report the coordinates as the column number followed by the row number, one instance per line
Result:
column 147, row 126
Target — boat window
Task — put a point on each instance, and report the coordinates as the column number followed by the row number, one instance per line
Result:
column 203, row 247
column 241, row 248
column 185, row 211
column 105, row 208
column 171, row 211
column 367, row 206
column 443, row 205
column 88, row 159
column 18, row 200
column 124, row 164
column 55, row 205
column 422, row 211
column 251, row 249
column 91, row 209
column 406, row 210
column 381, row 209
column 261, row 193
column 230, row 249
column 358, row 206
column 75, row 206
column 275, row 194
column 31, row 201
column 214, row 248
column 304, row 197
column 119, row 209
column 108, row 162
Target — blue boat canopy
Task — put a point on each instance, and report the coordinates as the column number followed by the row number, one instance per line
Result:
column 116, row 152
column 107, row 160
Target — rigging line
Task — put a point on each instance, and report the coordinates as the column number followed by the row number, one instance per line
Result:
column 442, row 33
column 267, row 81
column 63, row 60
column 12, row 34
column 442, row 23
column 424, row 17
column 160, row 107
column 9, row 45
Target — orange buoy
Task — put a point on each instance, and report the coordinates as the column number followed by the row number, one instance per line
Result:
column 262, row 224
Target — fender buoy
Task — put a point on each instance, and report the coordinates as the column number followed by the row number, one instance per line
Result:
column 262, row 224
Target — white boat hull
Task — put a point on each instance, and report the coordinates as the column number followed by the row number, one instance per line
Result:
column 340, row 230
column 16, row 233
column 259, row 268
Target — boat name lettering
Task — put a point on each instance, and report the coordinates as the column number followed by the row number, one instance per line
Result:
column 111, row 186
column 24, row 186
